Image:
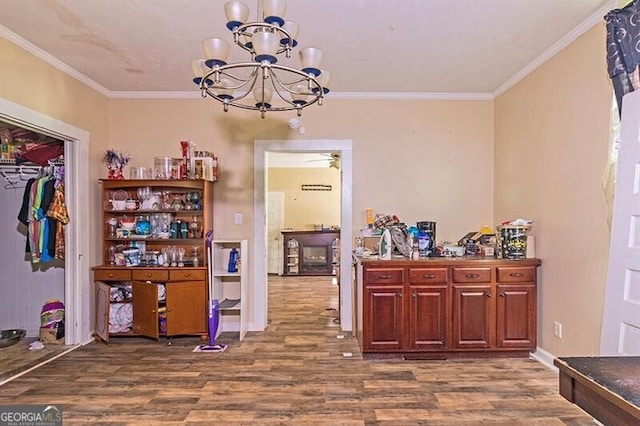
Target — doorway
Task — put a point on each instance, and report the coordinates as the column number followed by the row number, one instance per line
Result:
column 77, row 286
column 260, row 281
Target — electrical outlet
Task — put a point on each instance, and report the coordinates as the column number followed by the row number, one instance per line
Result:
column 557, row 329
column 237, row 218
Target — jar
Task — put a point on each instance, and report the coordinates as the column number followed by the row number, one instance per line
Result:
column 162, row 167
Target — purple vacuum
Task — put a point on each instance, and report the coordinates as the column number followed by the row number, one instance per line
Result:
column 214, row 319
column 214, row 308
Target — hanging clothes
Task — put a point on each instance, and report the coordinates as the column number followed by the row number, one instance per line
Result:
column 59, row 213
column 623, row 49
column 45, row 214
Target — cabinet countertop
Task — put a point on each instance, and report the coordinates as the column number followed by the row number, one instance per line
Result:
column 311, row 231
column 446, row 261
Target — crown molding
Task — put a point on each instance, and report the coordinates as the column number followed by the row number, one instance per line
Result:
column 50, row 59
column 594, row 19
column 450, row 96
column 428, row 96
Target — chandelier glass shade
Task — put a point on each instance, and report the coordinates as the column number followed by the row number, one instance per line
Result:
column 261, row 84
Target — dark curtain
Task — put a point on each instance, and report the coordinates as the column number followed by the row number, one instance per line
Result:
column 623, row 49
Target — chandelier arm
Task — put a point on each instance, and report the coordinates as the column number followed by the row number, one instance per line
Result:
column 313, row 83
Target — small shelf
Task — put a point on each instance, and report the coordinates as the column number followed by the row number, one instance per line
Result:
column 230, row 288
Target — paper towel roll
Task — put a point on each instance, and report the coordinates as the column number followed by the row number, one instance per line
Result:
column 531, row 247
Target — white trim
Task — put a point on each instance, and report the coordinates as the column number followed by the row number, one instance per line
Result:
column 587, row 24
column 50, row 59
column 545, row 358
column 260, row 283
column 78, row 294
column 428, row 96
column 445, row 96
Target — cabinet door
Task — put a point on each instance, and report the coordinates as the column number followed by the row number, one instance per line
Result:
column 472, row 316
column 428, row 317
column 383, row 315
column 103, row 302
column 186, row 308
column 516, row 316
column 145, row 309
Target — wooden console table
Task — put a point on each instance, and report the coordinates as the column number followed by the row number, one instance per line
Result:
column 608, row 388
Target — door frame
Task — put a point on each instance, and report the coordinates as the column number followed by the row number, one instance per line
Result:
column 279, row 251
column 77, row 279
column 260, row 281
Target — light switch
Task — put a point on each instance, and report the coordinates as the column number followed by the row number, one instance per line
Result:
column 237, row 218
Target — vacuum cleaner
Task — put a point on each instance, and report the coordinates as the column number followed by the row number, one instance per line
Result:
column 214, row 320
column 214, row 306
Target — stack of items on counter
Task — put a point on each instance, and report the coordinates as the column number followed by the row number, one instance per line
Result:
column 394, row 238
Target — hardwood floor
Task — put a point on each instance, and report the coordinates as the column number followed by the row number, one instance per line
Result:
column 295, row 372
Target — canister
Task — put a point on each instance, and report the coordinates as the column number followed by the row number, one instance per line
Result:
column 162, row 167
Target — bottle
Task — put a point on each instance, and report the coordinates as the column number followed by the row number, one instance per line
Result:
column 233, row 260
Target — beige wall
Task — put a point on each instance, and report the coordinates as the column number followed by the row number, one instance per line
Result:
column 422, row 160
column 304, row 209
column 552, row 131
column 30, row 82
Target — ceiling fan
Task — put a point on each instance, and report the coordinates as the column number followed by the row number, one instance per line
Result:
column 333, row 159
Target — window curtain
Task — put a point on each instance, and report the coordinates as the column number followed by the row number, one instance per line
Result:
column 623, row 49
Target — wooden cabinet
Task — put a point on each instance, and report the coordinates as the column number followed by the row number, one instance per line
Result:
column 428, row 310
column 384, row 309
column 152, row 293
column 451, row 307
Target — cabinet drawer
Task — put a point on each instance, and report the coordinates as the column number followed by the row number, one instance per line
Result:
column 388, row 275
column 472, row 275
column 111, row 275
column 150, row 275
column 187, row 275
column 516, row 274
column 430, row 275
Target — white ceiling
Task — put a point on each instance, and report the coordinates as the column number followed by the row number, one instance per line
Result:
column 370, row 46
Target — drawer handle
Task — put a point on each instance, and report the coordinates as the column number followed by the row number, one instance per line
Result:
column 472, row 275
column 384, row 277
column 413, row 295
column 502, row 294
column 428, row 276
column 516, row 274
column 111, row 275
column 148, row 282
column 488, row 294
column 187, row 275
column 149, row 274
column 399, row 294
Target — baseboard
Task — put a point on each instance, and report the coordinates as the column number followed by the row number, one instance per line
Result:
column 545, row 358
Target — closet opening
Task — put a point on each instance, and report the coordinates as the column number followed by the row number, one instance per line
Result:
column 67, row 279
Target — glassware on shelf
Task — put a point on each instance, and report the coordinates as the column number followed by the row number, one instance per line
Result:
column 181, row 256
column 195, row 199
column 166, row 256
column 194, row 227
column 173, row 253
column 195, row 256
column 112, row 224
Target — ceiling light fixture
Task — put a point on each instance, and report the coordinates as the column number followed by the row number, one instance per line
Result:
column 252, row 85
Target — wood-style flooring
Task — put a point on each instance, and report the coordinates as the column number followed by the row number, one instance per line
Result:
column 296, row 372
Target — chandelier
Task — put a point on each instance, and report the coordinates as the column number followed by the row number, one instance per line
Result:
column 261, row 84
